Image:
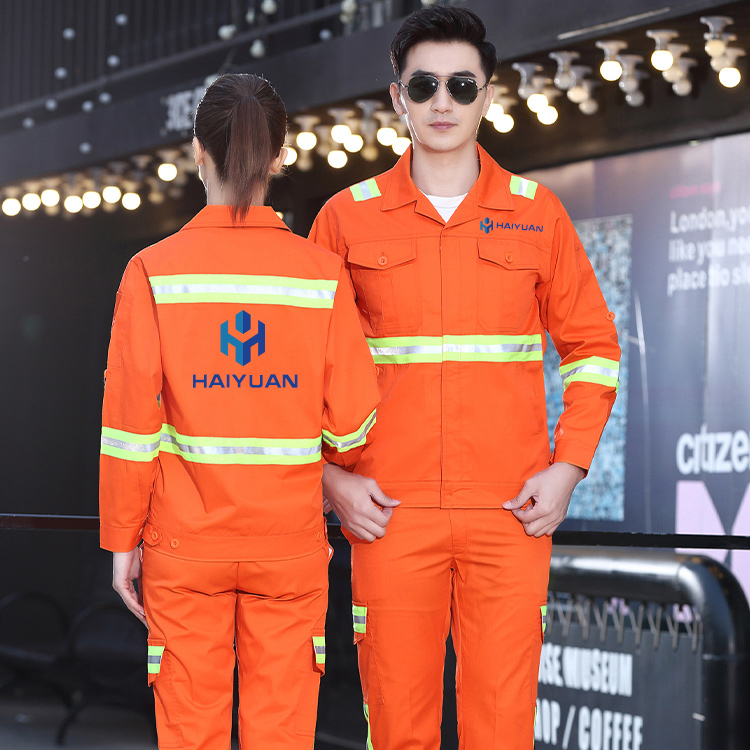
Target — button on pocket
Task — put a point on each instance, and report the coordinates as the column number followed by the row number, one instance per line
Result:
column 508, row 272
column 386, row 279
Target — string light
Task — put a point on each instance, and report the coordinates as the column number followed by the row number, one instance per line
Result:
column 337, row 159
column 92, row 199
column 50, row 197
column 31, row 201
column 112, row 194
column 73, row 204
column 167, row 171
column 131, row 201
column 11, row 206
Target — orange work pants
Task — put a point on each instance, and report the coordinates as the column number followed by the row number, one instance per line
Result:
column 476, row 573
column 272, row 612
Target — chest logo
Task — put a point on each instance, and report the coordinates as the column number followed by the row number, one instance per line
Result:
column 487, row 225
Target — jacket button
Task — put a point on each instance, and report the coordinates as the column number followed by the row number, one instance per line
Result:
column 509, row 258
column 154, row 535
column 610, row 316
column 382, row 260
column 174, row 544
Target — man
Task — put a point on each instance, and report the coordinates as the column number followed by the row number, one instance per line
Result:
column 458, row 268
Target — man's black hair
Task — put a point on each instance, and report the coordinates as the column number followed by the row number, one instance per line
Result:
column 442, row 23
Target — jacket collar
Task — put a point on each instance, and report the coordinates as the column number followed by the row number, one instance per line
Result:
column 491, row 190
column 221, row 216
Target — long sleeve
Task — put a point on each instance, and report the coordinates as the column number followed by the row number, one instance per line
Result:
column 131, row 419
column 351, row 393
column 582, row 329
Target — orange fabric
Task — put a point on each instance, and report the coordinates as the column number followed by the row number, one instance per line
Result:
column 467, row 433
column 270, row 611
column 477, row 572
column 166, row 366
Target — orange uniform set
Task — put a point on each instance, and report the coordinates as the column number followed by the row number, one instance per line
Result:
column 455, row 314
column 236, row 366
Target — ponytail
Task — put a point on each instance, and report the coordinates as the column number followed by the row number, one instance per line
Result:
column 241, row 122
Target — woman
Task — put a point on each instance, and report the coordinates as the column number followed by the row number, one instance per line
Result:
column 236, row 362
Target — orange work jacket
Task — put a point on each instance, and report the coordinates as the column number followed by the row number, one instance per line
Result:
column 236, row 365
column 455, row 314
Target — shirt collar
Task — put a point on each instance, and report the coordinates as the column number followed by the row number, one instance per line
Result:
column 491, row 190
column 221, row 216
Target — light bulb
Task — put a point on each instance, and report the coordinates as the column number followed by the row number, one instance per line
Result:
column 683, row 87
column 31, row 201
column 291, row 156
column 92, row 199
column 715, row 47
column 337, row 159
column 611, row 70
column 494, row 112
column 537, row 102
column 370, row 152
column 400, row 145
column 635, row 99
column 50, row 197
column 589, row 106
column 131, row 201
column 628, row 84
column 340, row 133
column 111, row 194
column 504, row 123
column 729, row 77
column 577, row 94
column 354, row 143
column 387, row 136
column 73, row 204
column 662, row 59
column 167, row 171
column 548, row 115
column 11, row 206
column 307, row 140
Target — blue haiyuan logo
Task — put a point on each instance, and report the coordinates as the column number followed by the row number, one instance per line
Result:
column 243, row 349
column 486, row 225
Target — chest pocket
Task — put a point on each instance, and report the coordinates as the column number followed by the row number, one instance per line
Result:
column 508, row 272
column 386, row 281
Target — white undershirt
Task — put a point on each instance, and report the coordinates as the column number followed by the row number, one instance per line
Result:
column 445, row 206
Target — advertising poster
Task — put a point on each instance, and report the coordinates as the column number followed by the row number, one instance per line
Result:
column 668, row 233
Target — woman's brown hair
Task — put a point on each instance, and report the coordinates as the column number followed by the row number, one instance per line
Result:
column 241, row 123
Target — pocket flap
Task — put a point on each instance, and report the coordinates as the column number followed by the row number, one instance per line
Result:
column 382, row 255
column 512, row 255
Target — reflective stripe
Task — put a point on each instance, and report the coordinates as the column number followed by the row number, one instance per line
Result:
column 363, row 191
column 543, row 609
column 366, row 709
column 359, row 616
column 153, row 659
column 270, row 290
column 130, row 446
column 344, row 443
column 319, row 644
column 592, row 370
column 525, row 188
column 210, row 450
column 409, row 349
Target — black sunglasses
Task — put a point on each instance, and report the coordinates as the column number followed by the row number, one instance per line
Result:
column 421, row 88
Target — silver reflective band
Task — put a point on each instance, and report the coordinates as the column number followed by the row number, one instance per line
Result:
column 592, row 370
column 360, row 619
column 343, row 445
column 153, row 659
column 492, row 348
column 279, row 291
column 125, row 446
column 247, row 450
column 319, row 649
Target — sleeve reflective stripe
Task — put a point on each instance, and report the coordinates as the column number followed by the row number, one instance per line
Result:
column 344, row 443
column 424, row 349
column 154, row 659
column 359, row 615
column 319, row 644
column 130, row 446
column 363, row 191
column 272, row 290
column 592, row 370
column 525, row 188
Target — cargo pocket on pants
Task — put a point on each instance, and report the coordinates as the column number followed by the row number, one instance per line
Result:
column 307, row 711
column 165, row 702
column 372, row 692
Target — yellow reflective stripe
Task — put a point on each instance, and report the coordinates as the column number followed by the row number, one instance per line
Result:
column 448, row 348
column 130, row 446
column 153, row 659
column 592, row 370
column 359, row 618
column 366, row 709
column 354, row 439
column 523, row 187
column 243, row 289
column 319, row 644
column 543, row 609
column 363, row 191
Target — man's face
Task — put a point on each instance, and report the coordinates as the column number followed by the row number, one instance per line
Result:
column 441, row 124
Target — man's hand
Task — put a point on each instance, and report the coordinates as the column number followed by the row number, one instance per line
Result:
column 543, row 501
column 126, row 567
column 363, row 508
